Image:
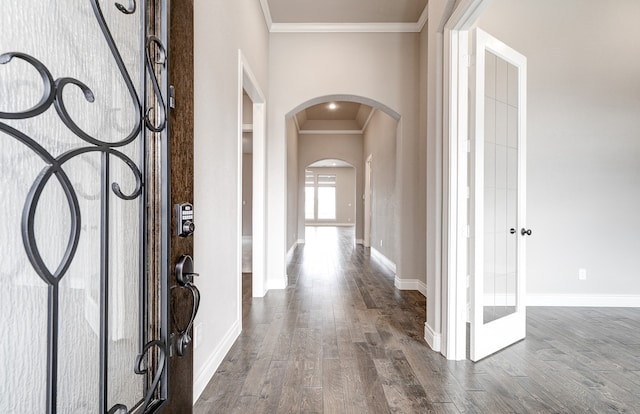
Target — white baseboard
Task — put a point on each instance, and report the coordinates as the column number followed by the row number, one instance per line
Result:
column 411, row 284
column 595, row 301
column 215, row 359
column 291, row 249
column 384, row 259
column 277, row 282
column 433, row 339
column 359, row 241
column 300, row 241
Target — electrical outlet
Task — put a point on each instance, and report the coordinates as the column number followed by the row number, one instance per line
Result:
column 196, row 335
column 582, row 274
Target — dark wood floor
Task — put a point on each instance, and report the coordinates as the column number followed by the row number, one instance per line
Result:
column 342, row 339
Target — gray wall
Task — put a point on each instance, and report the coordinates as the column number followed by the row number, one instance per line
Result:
column 294, row 232
column 247, row 194
column 583, row 158
column 345, row 195
column 380, row 143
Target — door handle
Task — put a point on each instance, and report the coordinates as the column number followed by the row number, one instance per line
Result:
column 184, row 276
column 525, row 232
column 512, row 231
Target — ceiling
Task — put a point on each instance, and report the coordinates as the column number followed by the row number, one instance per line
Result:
column 339, row 116
column 345, row 15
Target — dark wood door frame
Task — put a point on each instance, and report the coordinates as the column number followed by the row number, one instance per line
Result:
column 181, row 162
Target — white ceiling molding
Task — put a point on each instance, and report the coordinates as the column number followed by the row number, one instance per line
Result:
column 267, row 13
column 424, row 17
column 343, row 27
column 366, row 123
column 331, row 131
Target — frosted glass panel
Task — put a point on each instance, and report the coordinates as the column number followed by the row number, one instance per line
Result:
column 500, row 187
column 73, row 251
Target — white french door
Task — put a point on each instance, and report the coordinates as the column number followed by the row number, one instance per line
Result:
column 498, row 217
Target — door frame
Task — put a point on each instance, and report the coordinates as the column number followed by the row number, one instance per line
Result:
column 367, row 202
column 455, row 103
column 248, row 82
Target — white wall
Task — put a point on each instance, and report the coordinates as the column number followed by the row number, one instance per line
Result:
column 380, row 143
column 345, row 147
column 583, row 155
column 221, row 28
column 378, row 66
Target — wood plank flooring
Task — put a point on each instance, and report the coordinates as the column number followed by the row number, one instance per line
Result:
column 342, row 339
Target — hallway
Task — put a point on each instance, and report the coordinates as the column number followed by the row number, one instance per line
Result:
column 342, row 339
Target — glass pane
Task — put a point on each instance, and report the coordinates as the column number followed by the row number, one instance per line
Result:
column 326, row 179
column 70, row 44
column 500, row 188
column 326, row 203
column 309, row 203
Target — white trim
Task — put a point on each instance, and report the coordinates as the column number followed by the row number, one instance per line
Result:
column 291, row 249
column 360, row 241
column 215, row 359
column 343, row 27
column 331, row 131
column 455, row 123
column 595, row 301
column 300, row 241
column 346, row 27
column 411, row 284
column 433, row 339
column 277, row 282
column 366, row 123
column 248, row 82
column 384, row 259
column 266, row 13
column 327, row 224
column 247, row 127
column 424, row 17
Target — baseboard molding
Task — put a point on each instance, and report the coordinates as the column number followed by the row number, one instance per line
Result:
column 433, row 339
column 384, row 259
column 215, row 359
column 300, row 241
column 359, row 241
column 291, row 249
column 411, row 284
column 591, row 301
column 277, row 282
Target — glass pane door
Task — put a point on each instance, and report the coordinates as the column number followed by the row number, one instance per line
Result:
column 498, row 210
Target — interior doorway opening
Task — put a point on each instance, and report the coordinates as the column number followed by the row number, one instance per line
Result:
column 251, row 257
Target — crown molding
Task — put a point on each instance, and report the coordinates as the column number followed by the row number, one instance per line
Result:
column 343, row 27
column 424, row 17
column 331, row 132
column 266, row 13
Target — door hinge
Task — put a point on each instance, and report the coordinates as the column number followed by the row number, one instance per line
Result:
column 172, row 97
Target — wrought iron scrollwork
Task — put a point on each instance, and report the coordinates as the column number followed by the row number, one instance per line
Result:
column 53, row 94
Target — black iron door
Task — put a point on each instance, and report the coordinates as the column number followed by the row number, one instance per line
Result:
column 84, row 222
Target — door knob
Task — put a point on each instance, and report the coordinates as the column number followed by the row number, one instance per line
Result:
column 525, row 232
